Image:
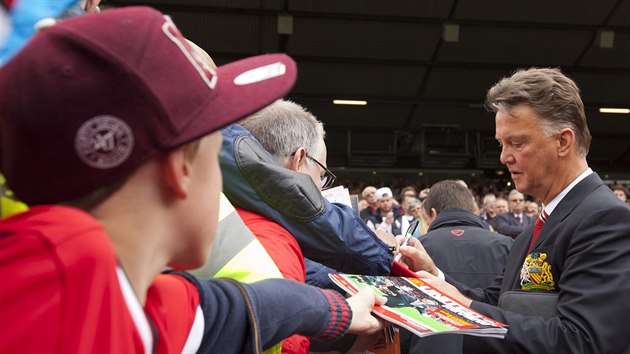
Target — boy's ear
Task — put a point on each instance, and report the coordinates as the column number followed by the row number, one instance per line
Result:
column 176, row 170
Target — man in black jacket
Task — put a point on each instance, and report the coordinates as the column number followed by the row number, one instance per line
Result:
column 457, row 240
column 461, row 247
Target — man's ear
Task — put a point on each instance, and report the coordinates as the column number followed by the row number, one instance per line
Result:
column 566, row 142
column 176, row 170
column 433, row 214
column 297, row 158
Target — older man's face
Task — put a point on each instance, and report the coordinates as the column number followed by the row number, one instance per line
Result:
column 516, row 203
column 500, row 206
column 530, row 156
column 370, row 195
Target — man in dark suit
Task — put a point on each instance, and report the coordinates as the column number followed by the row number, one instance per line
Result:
column 515, row 221
column 579, row 251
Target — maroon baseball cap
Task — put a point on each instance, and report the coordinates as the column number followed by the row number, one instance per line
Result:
column 90, row 99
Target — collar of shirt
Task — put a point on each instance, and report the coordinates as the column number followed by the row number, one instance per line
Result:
column 554, row 203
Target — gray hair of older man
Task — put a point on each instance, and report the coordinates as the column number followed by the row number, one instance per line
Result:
column 554, row 98
column 283, row 127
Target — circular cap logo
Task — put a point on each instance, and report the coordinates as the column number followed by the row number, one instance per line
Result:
column 104, row 142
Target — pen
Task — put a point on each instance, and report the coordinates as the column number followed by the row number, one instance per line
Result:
column 408, row 235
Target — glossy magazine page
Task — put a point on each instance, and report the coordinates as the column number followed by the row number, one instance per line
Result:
column 420, row 308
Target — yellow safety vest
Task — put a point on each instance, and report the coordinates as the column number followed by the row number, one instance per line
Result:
column 236, row 253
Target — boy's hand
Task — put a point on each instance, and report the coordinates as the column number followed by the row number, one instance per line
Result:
column 363, row 322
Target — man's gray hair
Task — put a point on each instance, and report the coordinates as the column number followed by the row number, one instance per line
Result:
column 514, row 192
column 489, row 198
column 554, row 98
column 283, row 127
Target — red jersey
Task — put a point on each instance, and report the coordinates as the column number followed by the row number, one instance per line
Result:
column 65, row 292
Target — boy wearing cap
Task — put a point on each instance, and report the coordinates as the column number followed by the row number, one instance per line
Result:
column 139, row 154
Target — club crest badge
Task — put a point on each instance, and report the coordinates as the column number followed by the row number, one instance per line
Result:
column 104, row 142
column 536, row 273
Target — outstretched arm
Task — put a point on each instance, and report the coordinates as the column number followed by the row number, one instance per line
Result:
column 261, row 314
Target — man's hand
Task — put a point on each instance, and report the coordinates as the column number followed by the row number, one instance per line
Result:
column 363, row 322
column 415, row 257
column 444, row 287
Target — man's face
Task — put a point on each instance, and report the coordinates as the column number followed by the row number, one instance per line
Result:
column 313, row 169
column 416, row 212
column 370, row 195
column 488, row 207
column 500, row 206
column 385, row 204
column 405, row 203
column 532, row 208
column 516, row 203
column 529, row 155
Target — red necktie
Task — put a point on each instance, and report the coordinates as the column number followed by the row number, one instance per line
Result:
column 540, row 221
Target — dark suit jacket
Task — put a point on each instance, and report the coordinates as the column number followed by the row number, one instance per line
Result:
column 507, row 224
column 586, row 247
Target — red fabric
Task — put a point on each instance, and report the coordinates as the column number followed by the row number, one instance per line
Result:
column 287, row 255
column 61, row 292
column 398, row 270
column 279, row 244
column 172, row 303
column 340, row 313
column 540, row 221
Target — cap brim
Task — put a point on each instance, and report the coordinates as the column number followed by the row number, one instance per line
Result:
column 243, row 87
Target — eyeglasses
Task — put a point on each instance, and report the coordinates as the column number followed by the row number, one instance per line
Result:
column 328, row 178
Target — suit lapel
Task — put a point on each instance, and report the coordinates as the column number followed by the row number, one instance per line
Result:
column 567, row 204
column 514, row 263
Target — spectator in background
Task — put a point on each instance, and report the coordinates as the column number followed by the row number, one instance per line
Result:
column 416, row 211
column 461, row 247
column 409, row 203
column 369, row 195
column 621, row 192
column 384, row 197
column 487, row 213
column 500, row 206
column 363, row 204
column 408, row 191
column 515, row 221
column 389, row 224
column 532, row 209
